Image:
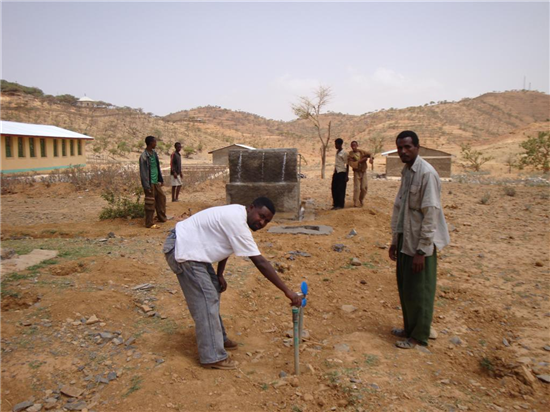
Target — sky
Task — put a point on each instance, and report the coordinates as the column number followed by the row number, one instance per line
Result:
column 260, row 57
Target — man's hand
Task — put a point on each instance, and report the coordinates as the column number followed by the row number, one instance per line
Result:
column 393, row 252
column 175, row 175
column 223, row 283
column 295, row 298
column 418, row 263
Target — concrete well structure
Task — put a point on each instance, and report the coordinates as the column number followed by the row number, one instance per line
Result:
column 272, row 173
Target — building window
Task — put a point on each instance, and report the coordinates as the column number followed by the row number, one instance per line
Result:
column 8, row 146
column 55, row 152
column 79, row 144
column 63, row 147
column 43, row 147
column 71, row 143
column 31, row 147
column 20, row 147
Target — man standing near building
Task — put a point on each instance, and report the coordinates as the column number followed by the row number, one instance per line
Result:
column 151, row 180
column 212, row 235
column 176, row 173
column 418, row 228
column 340, row 176
column 357, row 160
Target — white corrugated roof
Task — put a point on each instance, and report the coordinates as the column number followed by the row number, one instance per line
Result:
column 240, row 145
column 388, row 152
column 39, row 130
column 86, row 99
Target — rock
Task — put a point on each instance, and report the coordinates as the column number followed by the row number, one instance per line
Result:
column 75, row 406
column 282, row 374
column 50, row 405
column 342, row 403
column 363, row 282
column 338, row 247
column 293, row 381
column 111, row 235
column 22, row 406
column 146, row 308
column 144, row 286
column 380, row 245
column 341, row 347
column 101, row 379
column 525, row 375
column 106, row 335
column 35, row 408
column 505, row 342
column 349, row 308
column 308, row 397
column 278, row 384
column 129, row 341
column 539, row 264
column 118, row 341
column 433, row 333
column 455, row 340
column 92, row 319
column 351, row 234
column 445, row 382
column 423, row 349
column 305, row 334
column 111, row 376
column 7, row 253
column 524, row 360
column 546, row 347
column 544, row 378
column 26, row 323
column 71, row 391
column 355, row 262
column 310, row 368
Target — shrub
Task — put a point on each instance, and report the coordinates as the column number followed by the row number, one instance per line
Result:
column 509, row 191
column 485, row 199
column 537, row 152
column 120, row 205
column 474, row 158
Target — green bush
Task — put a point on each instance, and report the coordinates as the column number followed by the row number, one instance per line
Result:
column 121, row 206
column 11, row 87
column 509, row 191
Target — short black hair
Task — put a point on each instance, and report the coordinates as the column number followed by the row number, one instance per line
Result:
column 264, row 201
column 355, row 141
column 176, row 144
column 411, row 134
column 149, row 140
column 339, row 141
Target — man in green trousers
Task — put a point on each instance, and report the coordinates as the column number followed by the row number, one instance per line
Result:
column 418, row 228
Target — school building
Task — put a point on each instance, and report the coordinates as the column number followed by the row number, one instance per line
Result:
column 36, row 147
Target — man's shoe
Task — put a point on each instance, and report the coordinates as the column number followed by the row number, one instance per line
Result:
column 225, row 364
column 230, row 345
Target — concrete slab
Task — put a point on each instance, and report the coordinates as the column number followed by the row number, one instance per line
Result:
column 22, row 262
column 302, row 230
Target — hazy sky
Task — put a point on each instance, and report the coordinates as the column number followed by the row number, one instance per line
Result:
column 258, row 57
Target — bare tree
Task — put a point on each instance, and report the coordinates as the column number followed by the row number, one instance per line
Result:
column 376, row 144
column 310, row 109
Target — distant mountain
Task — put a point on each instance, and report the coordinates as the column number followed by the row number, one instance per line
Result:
column 120, row 131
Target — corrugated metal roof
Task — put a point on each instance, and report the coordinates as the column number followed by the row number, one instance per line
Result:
column 231, row 145
column 39, row 130
column 388, row 152
column 86, row 99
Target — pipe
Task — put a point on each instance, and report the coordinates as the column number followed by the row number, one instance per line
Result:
column 295, row 316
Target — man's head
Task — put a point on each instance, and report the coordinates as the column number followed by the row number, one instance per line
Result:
column 354, row 145
column 260, row 213
column 408, row 146
column 177, row 146
column 151, row 142
column 338, row 144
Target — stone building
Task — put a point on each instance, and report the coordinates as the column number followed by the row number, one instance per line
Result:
column 86, row 102
column 36, row 147
column 440, row 160
column 221, row 156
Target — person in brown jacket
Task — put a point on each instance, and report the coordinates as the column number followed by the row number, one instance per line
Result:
column 357, row 160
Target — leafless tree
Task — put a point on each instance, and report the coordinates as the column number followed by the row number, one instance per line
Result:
column 310, row 109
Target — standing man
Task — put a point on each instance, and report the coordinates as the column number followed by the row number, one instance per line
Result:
column 212, row 235
column 357, row 159
column 175, row 172
column 151, row 180
column 418, row 228
column 340, row 176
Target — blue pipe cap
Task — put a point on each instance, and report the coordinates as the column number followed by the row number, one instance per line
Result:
column 304, row 289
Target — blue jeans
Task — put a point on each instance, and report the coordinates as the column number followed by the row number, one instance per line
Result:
column 201, row 288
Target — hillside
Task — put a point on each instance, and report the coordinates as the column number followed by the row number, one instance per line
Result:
column 119, row 132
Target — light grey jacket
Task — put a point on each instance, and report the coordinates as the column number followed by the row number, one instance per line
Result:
column 424, row 223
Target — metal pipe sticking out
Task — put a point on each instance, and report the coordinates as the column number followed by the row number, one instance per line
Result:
column 295, row 320
column 300, row 324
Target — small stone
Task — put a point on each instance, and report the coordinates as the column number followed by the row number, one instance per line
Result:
column 423, row 349
column 546, row 347
column 363, row 282
column 111, row 235
column 293, row 381
column 101, row 379
column 282, row 374
column 433, row 333
column 445, row 382
column 455, row 340
column 75, row 406
column 26, row 323
column 308, row 397
column 92, row 319
column 526, row 376
column 146, row 308
column 6, row 253
column 118, row 341
column 35, row 408
column 539, row 264
column 338, row 247
column 71, row 391
column 106, row 335
column 355, row 262
column 310, row 368
column 111, row 376
column 544, row 378
column 349, row 308
column 129, row 341
column 342, row 403
column 352, row 233
column 524, row 360
column 505, row 342
column 341, row 347
column 278, row 384
column 22, row 406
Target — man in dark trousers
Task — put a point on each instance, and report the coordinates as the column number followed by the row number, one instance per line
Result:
column 151, row 180
column 176, row 174
column 418, row 228
column 340, row 176
column 209, row 236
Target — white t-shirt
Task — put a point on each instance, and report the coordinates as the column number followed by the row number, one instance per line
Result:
column 214, row 234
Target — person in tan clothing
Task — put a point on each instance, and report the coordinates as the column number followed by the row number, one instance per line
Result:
column 357, row 160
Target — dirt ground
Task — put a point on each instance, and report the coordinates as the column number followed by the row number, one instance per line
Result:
column 492, row 310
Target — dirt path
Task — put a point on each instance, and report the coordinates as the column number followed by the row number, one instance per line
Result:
column 492, row 311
